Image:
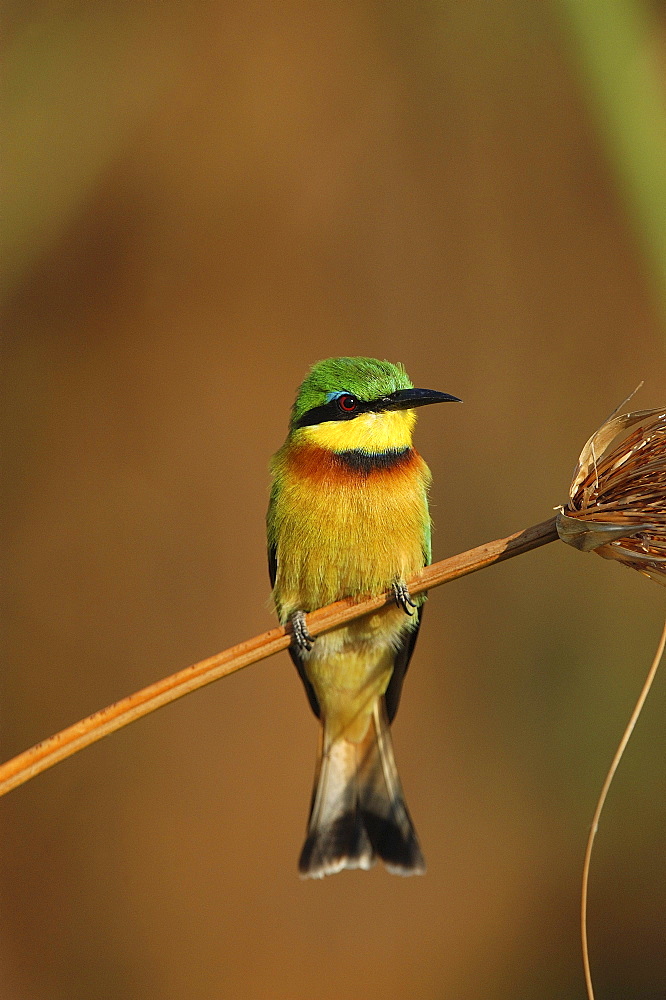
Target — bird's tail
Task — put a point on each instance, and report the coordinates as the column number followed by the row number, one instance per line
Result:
column 358, row 810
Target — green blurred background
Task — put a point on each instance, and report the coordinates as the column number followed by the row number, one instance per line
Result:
column 202, row 199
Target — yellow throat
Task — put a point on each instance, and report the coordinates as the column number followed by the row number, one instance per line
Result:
column 371, row 432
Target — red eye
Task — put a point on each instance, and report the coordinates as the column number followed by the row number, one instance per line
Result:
column 347, row 403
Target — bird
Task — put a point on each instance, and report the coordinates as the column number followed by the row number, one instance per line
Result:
column 348, row 517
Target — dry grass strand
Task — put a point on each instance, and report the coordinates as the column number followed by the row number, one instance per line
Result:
column 600, row 805
column 69, row 741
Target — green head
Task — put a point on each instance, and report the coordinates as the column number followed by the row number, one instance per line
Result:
column 364, row 378
column 340, row 389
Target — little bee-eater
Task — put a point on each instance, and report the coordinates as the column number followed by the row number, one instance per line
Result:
column 348, row 517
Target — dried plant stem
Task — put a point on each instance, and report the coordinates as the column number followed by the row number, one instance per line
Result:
column 69, row 741
column 600, row 805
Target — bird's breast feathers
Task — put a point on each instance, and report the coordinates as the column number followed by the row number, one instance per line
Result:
column 346, row 523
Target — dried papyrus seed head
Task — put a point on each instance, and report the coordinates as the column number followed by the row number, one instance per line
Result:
column 617, row 500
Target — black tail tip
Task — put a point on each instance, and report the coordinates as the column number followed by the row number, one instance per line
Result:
column 399, row 849
column 356, row 840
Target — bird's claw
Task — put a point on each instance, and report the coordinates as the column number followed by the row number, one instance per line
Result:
column 402, row 597
column 301, row 637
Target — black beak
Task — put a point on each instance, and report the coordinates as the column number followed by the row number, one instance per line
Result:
column 406, row 399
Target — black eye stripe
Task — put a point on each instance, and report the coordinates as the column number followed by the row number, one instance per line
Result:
column 341, row 408
column 333, row 410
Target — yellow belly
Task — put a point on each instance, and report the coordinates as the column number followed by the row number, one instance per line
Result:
column 348, row 536
column 351, row 667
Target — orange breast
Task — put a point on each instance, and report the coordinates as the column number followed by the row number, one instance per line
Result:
column 345, row 527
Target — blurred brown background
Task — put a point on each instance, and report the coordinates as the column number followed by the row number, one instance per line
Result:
column 203, row 199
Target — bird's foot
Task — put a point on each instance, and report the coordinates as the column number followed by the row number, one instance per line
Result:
column 301, row 637
column 402, row 597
